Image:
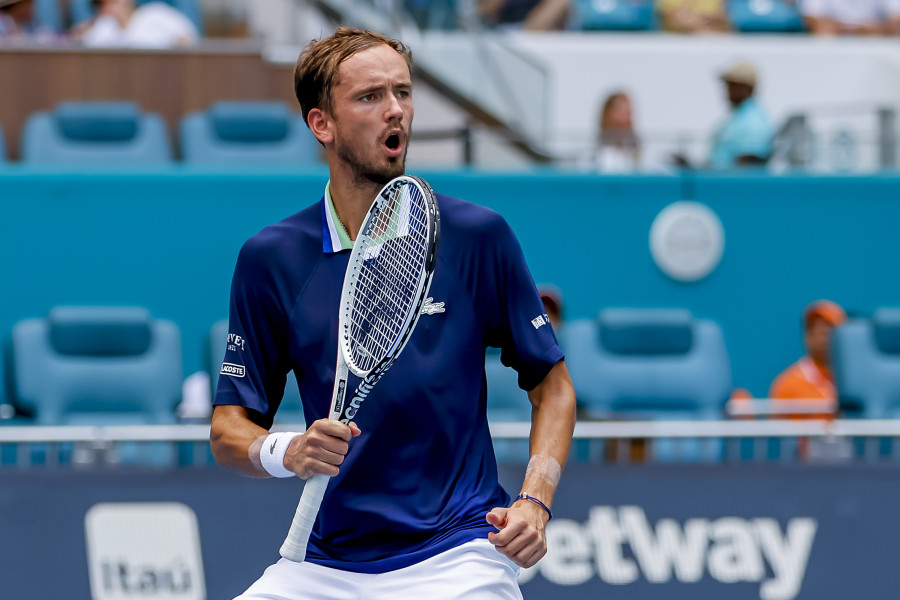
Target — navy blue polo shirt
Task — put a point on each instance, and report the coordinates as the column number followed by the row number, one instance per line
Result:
column 422, row 476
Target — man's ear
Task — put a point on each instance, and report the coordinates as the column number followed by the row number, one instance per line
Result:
column 321, row 125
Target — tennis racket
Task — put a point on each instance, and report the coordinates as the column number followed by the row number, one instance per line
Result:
column 385, row 285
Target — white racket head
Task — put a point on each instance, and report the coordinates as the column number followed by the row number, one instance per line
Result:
column 388, row 274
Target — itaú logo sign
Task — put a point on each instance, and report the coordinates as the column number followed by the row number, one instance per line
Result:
column 619, row 545
column 147, row 550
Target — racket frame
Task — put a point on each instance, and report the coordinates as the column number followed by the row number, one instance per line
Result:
column 294, row 546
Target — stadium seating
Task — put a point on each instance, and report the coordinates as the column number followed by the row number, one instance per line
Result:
column 506, row 400
column 866, row 362
column 290, row 411
column 235, row 132
column 95, row 133
column 98, row 365
column 765, row 16
column 82, row 10
column 2, row 147
column 651, row 364
column 613, row 15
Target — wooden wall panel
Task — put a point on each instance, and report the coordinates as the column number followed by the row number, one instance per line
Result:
column 171, row 83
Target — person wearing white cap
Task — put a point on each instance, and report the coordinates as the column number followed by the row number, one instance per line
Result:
column 745, row 137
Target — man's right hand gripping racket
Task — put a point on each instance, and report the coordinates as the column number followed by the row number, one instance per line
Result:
column 386, row 283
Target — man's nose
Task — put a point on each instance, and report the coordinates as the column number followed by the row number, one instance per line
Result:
column 395, row 108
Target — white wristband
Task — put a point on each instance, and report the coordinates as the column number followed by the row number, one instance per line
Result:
column 271, row 455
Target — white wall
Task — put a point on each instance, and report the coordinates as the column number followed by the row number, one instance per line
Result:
column 673, row 79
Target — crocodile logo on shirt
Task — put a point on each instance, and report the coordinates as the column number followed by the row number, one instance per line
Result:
column 430, row 307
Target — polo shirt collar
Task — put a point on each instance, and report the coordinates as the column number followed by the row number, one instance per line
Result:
column 334, row 236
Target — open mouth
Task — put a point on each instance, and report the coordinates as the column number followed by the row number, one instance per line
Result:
column 392, row 141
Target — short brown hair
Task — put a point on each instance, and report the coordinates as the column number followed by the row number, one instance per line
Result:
column 315, row 75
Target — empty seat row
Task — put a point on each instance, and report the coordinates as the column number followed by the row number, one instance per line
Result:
column 667, row 364
column 640, row 15
column 661, row 363
column 102, row 365
column 120, row 133
column 119, row 365
column 110, row 365
column 636, row 363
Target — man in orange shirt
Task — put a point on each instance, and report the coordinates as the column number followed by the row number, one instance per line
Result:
column 811, row 376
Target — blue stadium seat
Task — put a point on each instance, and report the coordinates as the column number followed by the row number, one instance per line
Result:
column 506, row 402
column 247, row 133
column 93, row 365
column 96, row 133
column 82, row 10
column 651, row 364
column 613, row 15
column 866, row 362
column 2, row 146
column 765, row 16
column 291, row 410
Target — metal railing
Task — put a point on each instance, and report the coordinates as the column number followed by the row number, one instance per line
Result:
column 482, row 73
column 845, row 440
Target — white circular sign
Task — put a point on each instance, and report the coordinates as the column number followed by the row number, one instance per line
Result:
column 687, row 240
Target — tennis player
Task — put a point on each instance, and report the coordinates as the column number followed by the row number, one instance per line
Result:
column 414, row 508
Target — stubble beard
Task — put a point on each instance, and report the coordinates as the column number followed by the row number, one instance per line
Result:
column 366, row 171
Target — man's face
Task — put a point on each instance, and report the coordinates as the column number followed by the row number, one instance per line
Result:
column 817, row 338
column 738, row 92
column 372, row 110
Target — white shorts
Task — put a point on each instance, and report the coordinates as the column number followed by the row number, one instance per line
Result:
column 472, row 571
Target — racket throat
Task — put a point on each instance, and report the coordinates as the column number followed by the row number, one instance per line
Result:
column 359, row 396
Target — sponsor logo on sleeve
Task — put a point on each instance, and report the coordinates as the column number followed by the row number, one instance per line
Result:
column 540, row 320
column 232, row 370
column 236, row 342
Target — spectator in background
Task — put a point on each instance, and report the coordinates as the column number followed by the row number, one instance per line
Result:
column 553, row 305
column 617, row 149
column 745, row 137
column 811, row 376
column 852, row 17
column 531, row 15
column 17, row 21
column 118, row 24
column 693, row 16
column 15, row 17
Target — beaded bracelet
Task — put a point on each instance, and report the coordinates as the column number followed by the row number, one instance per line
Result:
column 524, row 496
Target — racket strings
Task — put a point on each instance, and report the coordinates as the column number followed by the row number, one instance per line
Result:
column 387, row 276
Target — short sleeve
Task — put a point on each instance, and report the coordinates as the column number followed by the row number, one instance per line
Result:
column 255, row 367
column 520, row 327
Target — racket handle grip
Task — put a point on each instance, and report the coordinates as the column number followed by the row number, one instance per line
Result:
column 294, row 546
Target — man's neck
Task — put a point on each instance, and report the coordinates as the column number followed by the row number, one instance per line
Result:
column 352, row 201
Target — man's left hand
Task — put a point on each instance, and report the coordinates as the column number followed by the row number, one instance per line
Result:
column 520, row 532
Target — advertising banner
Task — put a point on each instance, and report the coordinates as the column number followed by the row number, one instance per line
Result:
column 679, row 532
